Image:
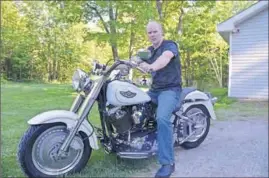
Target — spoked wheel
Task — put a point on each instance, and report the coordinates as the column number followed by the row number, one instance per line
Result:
column 38, row 150
column 200, row 119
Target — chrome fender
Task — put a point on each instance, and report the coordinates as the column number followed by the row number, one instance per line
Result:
column 70, row 119
column 204, row 100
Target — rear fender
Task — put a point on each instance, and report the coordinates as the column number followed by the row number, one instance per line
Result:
column 69, row 119
column 199, row 98
column 208, row 105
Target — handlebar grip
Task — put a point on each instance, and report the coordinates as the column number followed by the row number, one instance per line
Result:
column 99, row 66
column 141, row 70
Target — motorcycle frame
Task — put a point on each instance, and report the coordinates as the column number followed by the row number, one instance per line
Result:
column 83, row 107
column 106, row 127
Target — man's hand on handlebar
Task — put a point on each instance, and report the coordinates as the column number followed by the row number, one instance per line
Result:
column 119, row 64
column 146, row 67
column 136, row 59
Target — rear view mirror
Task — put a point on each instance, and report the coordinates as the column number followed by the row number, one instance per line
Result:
column 144, row 54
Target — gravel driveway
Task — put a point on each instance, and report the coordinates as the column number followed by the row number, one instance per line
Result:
column 233, row 148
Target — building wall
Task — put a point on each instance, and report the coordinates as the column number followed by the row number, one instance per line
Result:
column 249, row 58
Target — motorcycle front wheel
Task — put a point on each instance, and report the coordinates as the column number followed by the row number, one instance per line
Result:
column 37, row 152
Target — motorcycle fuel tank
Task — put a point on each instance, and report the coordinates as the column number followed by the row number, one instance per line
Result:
column 121, row 93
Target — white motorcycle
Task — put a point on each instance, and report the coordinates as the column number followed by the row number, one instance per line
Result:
column 60, row 142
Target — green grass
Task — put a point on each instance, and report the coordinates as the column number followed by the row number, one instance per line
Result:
column 223, row 101
column 242, row 110
column 231, row 108
column 20, row 102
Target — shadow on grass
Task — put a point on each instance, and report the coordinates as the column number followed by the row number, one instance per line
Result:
column 109, row 165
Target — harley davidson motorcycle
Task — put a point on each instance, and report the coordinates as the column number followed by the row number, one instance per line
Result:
column 60, row 142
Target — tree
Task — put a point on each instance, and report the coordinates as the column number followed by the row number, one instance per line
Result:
column 47, row 40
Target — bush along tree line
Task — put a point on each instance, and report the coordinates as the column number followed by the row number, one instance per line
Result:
column 47, row 40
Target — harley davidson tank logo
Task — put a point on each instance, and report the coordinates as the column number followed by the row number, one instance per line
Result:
column 127, row 94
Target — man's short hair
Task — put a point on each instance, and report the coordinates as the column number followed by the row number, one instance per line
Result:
column 158, row 23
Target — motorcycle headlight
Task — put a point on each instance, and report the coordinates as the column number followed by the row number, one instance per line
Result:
column 80, row 80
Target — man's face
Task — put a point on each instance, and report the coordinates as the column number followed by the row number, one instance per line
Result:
column 154, row 33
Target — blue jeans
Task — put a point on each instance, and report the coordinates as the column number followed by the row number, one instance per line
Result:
column 166, row 101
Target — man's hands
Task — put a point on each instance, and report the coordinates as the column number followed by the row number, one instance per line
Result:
column 160, row 63
column 146, row 67
column 136, row 59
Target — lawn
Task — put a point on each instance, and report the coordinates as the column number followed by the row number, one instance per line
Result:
column 21, row 101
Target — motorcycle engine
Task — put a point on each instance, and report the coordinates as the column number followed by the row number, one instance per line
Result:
column 126, row 118
column 138, row 116
column 134, row 126
column 121, row 119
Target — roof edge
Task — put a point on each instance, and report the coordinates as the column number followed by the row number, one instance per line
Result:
column 229, row 24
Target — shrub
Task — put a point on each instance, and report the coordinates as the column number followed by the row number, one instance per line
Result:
column 222, row 95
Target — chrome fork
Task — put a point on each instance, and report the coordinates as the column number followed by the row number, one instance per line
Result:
column 83, row 112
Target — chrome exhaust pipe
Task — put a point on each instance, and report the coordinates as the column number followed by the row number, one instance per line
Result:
column 214, row 100
column 135, row 155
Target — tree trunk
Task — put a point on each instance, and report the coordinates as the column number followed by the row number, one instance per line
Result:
column 131, row 51
column 180, row 22
column 221, row 72
column 188, row 60
column 49, row 63
column 192, row 73
column 131, row 41
column 49, row 70
column 113, row 32
column 54, row 64
column 115, row 52
column 58, row 70
column 185, row 68
column 159, row 9
column 20, row 72
column 32, row 68
column 53, row 76
column 217, row 69
column 8, row 65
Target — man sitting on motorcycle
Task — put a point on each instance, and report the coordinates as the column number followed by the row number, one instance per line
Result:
column 165, row 68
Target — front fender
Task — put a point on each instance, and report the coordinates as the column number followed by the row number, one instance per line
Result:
column 67, row 117
column 206, row 103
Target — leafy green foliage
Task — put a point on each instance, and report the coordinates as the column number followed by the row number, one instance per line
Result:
column 48, row 40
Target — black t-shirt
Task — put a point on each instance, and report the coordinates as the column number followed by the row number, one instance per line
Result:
column 168, row 77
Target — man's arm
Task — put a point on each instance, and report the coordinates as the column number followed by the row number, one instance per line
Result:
column 160, row 63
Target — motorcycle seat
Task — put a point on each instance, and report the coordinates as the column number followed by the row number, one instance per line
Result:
column 183, row 94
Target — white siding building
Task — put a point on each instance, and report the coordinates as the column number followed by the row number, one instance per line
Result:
column 247, row 35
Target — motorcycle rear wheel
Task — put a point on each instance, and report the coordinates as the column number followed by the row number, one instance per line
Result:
column 193, row 143
column 37, row 152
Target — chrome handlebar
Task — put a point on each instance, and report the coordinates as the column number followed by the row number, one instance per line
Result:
column 131, row 63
